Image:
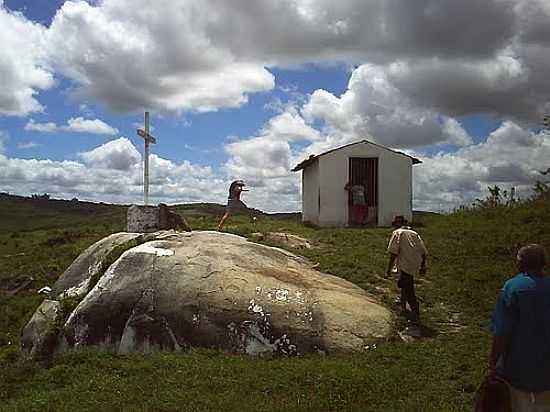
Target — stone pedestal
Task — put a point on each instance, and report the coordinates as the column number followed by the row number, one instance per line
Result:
column 143, row 219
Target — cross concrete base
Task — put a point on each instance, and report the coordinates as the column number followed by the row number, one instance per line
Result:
column 143, row 219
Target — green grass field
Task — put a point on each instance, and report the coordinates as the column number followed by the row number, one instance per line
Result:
column 471, row 255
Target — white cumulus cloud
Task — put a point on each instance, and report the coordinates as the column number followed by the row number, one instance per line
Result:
column 511, row 157
column 183, row 55
column 161, row 59
column 23, row 68
column 74, row 125
column 28, row 145
column 48, row 127
column 202, row 56
column 113, row 172
column 119, row 154
column 95, row 126
column 3, row 139
column 373, row 107
column 418, row 67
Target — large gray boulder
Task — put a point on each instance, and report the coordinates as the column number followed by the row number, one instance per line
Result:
column 210, row 289
column 40, row 334
column 75, row 281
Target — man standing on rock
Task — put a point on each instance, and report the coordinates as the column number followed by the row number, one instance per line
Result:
column 234, row 203
column 408, row 252
column 521, row 333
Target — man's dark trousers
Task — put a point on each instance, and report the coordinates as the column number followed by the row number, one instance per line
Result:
column 406, row 283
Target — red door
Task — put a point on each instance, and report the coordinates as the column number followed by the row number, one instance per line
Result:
column 364, row 171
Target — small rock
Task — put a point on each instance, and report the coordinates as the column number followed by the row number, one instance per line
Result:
column 288, row 240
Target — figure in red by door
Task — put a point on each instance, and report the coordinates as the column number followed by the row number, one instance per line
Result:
column 359, row 208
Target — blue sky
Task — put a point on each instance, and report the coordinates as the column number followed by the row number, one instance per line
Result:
column 253, row 93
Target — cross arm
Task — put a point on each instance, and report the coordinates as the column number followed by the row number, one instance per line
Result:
column 146, row 136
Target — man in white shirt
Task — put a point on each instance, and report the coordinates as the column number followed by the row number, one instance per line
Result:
column 408, row 252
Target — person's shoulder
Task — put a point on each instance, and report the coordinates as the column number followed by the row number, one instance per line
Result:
column 409, row 230
column 394, row 237
column 518, row 282
column 400, row 231
column 509, row 288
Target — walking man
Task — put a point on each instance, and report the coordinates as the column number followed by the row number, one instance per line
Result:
column 408, row 252
column 521, row 333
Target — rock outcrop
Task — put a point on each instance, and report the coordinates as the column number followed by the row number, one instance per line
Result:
column 205, row 289
column 76, row 280
column 282, row 239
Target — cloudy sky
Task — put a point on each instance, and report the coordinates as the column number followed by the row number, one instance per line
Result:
column 247, row 89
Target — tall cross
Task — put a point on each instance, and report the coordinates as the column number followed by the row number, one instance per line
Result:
column 144, row 133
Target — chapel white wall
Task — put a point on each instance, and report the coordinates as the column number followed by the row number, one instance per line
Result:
column 310, row 193
column 394, row 184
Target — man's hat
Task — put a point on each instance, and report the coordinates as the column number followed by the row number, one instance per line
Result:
column 235, row 183
column 399, row 221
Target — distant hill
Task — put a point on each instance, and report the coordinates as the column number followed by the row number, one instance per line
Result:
column 25, row 213
column 423, row 213
column 51, row 213
column 204, row 209
column 51, row 210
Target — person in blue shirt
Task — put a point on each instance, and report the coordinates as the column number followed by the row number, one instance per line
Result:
column 521, row 333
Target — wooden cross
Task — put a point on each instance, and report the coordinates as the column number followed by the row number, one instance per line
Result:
column 144, row 133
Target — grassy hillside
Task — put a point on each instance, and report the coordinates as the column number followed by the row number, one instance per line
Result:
column 471, row 255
